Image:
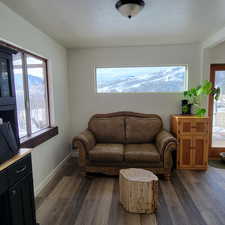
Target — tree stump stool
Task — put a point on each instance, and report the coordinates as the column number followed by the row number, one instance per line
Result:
column 138, row 190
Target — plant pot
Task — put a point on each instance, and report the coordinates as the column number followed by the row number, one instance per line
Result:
column 186, row 107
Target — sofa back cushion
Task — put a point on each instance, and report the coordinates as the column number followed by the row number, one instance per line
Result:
column 108, row 130
column 142, row 130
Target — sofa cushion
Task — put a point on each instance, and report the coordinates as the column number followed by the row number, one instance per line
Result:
column 107, row 153
column 142, row 130
column 108, row 130
column 141, row 153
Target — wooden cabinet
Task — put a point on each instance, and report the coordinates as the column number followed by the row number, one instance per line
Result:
column 17, row 206
column 192, row 134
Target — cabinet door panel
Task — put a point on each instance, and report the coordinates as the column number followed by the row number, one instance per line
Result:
column 16, row 208
column 22, row 202
column 200, row 150
column 186, row 126
column 4, row 210
column 185, row 157
column 7, row 89
column 5, row 77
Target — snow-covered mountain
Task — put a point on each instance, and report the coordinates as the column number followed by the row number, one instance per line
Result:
column 143, row 79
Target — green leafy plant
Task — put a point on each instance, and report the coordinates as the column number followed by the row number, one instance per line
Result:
column 194, row 96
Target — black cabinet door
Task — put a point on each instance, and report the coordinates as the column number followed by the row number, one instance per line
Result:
column 7, row 88
column 21, row 200
column 4, row 210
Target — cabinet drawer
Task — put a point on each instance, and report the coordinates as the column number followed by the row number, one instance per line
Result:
column 3, row 182
column 193, row 127
column 19, row 169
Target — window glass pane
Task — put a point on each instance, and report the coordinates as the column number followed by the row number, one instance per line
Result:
column 37, row 94
column 218, row 132
column 141, row 79
column 32, row 60
column 4, row 78
column 19, row 86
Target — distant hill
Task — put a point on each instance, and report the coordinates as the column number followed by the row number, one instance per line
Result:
column 170, row 80
column 34, row 82
column 36, row 91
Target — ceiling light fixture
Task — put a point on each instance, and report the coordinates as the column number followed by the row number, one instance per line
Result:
column 130, row 8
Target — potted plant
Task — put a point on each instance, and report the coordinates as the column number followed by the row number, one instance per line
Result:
column 193, row 97
column 186, row 107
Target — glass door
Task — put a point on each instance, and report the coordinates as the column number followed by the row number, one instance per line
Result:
column 7, row 91
column 217, row 112
column 4, row 78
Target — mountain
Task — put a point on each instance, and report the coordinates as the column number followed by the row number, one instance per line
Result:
column 34, row 81
column 161, row 80
column 36, row 91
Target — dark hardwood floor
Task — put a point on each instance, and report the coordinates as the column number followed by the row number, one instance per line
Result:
column 190, row 198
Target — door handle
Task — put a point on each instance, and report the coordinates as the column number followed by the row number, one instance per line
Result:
column 21, row 170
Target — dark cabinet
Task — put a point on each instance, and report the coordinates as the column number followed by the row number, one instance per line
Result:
column 17, row 205
column 4, row 212
column 5, row 78
column 7, row 87
column 21, row 202
column 8, row 108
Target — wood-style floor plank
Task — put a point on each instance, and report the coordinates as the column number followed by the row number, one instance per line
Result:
column 163, row 216
column 148, row 219
column 175, row 207
column 190, row 198
column 187, row 202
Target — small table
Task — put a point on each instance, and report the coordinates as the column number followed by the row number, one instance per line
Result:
column 138, row 190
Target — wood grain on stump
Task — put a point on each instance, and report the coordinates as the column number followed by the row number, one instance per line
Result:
column 138, row 190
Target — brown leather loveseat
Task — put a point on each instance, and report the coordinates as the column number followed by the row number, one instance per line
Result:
column 125, row 139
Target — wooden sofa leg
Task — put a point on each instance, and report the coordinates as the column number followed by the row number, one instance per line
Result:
column 167, row 176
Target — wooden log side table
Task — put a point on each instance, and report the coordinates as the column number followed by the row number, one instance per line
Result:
column 138, row 190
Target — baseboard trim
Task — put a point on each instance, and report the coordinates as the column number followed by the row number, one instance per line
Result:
column 51, row 176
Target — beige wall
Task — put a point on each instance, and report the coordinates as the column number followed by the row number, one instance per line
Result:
column 17, row 31
column 85, row 102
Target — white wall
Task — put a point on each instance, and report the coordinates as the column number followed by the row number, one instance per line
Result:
column 217, row 54
column 85, row 102
column 213, row 55
column 17, row 31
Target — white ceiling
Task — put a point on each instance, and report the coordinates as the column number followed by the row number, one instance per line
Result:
column 96, row 23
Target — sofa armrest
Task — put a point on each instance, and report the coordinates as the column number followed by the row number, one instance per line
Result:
column 165, row 141
column 84, row 143
column 86, row 138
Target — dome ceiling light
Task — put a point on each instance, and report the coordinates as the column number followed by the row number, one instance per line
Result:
column 130, row 8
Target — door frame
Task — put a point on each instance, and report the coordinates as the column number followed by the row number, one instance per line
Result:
column 213, row 151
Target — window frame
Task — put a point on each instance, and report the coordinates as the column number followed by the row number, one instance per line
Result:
column 27, row 92
column 34, row 139
column 186, row 81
